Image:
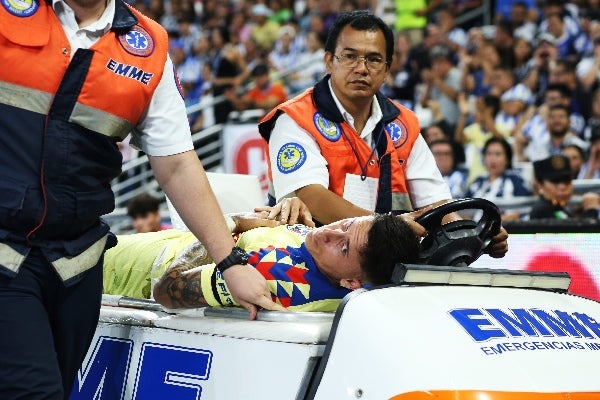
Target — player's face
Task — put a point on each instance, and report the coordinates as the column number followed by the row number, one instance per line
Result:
column 360, row 81
column 335, row 247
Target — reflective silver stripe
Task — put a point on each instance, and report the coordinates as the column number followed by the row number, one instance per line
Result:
column 401, row 201
column 39, row 102
column 68, row 267
column 100, row 121
column 25, row 98
column 10, row 258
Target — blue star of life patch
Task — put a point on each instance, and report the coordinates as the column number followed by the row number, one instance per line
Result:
column 290, row 157
column 398, row 133
column 137, row 42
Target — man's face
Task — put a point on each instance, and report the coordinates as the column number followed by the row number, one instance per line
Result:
column 553, row 98
column 518, row 14
column 558, row 122
column 146, row 223
column 558, row 192
column 433, row 133
column 360, row 82
column 441, row 67
column 444, row 158
column 262, row 81
column 336, row 247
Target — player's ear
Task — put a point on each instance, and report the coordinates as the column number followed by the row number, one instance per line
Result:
column 351, row 284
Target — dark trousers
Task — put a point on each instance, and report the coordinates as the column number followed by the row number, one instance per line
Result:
column 45, row 329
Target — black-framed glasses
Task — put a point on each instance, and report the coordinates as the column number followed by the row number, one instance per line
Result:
column 373, row 63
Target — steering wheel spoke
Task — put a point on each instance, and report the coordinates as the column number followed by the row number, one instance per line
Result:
column 462, row 241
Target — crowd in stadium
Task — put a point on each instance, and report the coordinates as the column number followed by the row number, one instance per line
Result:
column 491, row 98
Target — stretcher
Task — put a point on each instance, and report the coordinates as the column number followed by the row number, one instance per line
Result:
column 439, row 331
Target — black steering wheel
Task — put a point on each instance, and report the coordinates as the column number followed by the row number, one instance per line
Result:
column 461, row 242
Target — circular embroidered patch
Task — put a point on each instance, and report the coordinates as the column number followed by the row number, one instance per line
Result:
column 137, row 42
column 398, row 133
column 290, row 157
column 330, row 130
column 20, row 8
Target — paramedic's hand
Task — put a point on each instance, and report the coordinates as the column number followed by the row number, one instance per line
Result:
column 499, row 244
column 250, row 220
column 249, row 289
column 410, row 217
column 289, row 211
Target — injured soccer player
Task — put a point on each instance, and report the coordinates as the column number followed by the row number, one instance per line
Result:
column 307, row 269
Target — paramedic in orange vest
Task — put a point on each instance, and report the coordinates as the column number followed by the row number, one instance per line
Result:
column 345, row 149
column 77, row 76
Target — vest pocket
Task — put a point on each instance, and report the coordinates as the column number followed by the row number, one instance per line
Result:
column 12, row 198
column 91, row 205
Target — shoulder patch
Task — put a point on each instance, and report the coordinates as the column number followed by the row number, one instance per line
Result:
column 137, row 41
column 20, row 8
column 398, row 132
column 290, row 157
column 330, row 130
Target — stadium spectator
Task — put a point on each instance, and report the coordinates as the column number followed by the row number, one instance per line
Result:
column 284, row 55
column 454, row 37
column 563, row 72
column 538, row 75
column 576, row 156
column 442, row 83
column 443, row 152
column 558, row 135
column 503, row 9
column 264, row 31
column 591, row 168
column 474, row 136
column 522, row 53
column 522, row 21
column 513, row 105
column 554, row 185
column 229, row 70
column 476, row 65
column 412, row 16
column 588, row 68
column 402, row 79
column 503, row 40
column 264, row 95
column 311, row 62
column 143, row 209
column 570, row 45
column 500, row 181
column 593, row 121
column 534, row 132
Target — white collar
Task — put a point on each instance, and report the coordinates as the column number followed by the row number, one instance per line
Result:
column 66, row 15
column 374, row 117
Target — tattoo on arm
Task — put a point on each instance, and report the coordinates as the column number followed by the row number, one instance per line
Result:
column 180, row 286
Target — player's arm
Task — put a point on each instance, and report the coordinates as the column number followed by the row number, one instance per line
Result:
column 180, row 285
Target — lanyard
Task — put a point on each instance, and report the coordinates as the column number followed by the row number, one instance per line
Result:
column 376, row 148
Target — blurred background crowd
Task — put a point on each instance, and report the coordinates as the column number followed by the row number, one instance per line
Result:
column 496, row 85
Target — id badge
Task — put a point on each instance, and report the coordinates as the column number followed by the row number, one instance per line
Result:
column 361, row 193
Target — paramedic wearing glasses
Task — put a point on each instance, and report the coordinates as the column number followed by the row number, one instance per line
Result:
column 345, row 149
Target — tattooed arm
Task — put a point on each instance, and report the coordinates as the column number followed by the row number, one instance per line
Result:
column 180, row 285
